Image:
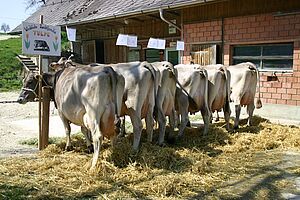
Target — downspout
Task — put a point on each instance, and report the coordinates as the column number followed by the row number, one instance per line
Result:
column 161, row 14
column 222, row 38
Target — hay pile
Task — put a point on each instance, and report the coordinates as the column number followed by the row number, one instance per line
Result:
column 196, row 167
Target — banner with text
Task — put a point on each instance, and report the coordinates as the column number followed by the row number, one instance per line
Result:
column 41, row 39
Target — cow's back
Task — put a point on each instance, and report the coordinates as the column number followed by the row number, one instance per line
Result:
column 139, row 85
column 193, row 78
column 243, row 83
column 218, row 86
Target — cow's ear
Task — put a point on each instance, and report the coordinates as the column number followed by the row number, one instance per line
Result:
column 37, row 76
column 55, row 66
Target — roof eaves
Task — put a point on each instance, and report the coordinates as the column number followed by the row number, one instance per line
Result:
column 135, row 12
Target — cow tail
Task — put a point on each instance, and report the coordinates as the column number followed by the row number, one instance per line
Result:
column 205, row 75
column 156, row 80
column 114, row 79
column 228, row 79
column 258, row 103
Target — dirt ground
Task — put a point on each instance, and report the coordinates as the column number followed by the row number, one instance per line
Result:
column 20, row 122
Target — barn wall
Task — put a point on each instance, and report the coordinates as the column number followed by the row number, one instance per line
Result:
column 255, row 29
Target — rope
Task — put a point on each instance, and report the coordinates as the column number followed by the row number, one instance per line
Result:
column 8, row 102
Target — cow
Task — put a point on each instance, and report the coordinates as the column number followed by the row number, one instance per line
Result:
column 244, row 78
column 219, row 90
column 192, row 94
column 165, row 98
column 88, row 97
column 141, row 85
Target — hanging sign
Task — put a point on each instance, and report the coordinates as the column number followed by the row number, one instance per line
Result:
column 132, row 41
column 127, row 40
column 180, row 46
column 71, row 33
column 41, row 39
column 156, row 43
column 122, row 40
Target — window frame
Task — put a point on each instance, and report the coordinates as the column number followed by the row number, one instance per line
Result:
column 261, row 58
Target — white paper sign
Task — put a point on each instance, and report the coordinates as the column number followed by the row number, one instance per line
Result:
column 180, row 46
column 41, row 39
column 161, row 44
column 122, row 40
column 156, row 43
column 152, row 43
column 71, row 33
column 131, row 41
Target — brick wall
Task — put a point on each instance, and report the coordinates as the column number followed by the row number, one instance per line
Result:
column 255, row 29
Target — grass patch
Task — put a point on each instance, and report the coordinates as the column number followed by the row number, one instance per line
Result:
column 10, row 68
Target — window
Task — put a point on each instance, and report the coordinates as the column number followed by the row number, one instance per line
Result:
column 205, row 54
column 266, row 56
column 152, row 55
column 134, row 54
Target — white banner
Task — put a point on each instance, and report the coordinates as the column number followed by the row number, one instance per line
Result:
column 41, row 39
column 180, row 46
column 156, row 43
column 127, row 40
column 122, row 40
column 71, row 33
column 132, row 41
column 161, row 44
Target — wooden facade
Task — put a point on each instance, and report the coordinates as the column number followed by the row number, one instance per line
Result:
column 211, row 32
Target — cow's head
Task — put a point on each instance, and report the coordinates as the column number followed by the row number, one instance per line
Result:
column 62, row 63
column 30, row 87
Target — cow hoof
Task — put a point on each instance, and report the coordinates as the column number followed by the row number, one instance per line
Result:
column 235, row 127
column 90, row 149
column 188, row 124
column 69, row 148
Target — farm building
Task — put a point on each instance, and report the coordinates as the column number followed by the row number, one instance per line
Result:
column 265, row 32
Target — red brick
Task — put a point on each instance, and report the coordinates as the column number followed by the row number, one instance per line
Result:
column 259, row 29
column 296, row 85
column 267, row 84
column 276, row 84
column 272, row 101
column 281, row 101
column 291, row 91
column 263, row 89
column 266, row 95
column 297, row 74
column 271, row 90
column 276, row 96
column 296, row 97
column 287, row 85
column 281, row 90
column 291, row 102
column 283, row 33
column 286, row 96
column 298, row 103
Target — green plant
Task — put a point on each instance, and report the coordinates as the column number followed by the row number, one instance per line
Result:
column 10, row 67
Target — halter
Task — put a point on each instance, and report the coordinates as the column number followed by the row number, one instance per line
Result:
column 33, row 90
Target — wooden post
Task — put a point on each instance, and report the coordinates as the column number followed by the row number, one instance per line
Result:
column 45, row 117
column 41, row 134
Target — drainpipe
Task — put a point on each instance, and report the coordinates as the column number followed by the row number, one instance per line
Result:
column 161, row 14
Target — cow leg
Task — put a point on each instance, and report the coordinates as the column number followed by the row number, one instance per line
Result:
column 88, row 138
column 172, row 120
column 162, row 126
column 93, row 124
column 67, row 127
column 237, row 116
column 250, row 110
column 206, row 119
column 227, row 113
column 97, row 140
column 217, row 117
column 137, row 128
column 123, row 129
